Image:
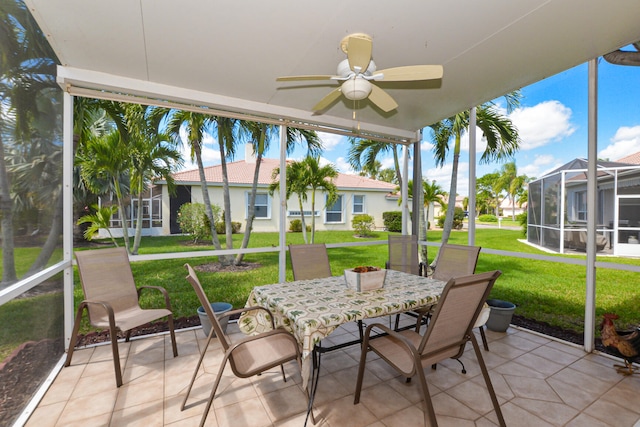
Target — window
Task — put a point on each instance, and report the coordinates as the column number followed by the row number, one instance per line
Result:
column 334, row 211
column 580, row 205
column 358, row 204
column 262, row 206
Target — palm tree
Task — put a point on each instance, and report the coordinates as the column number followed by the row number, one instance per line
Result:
column 371, row 171
column 152, row 156
column 260, row 135
column 25, row 75
column 195, row 125
column 502, row 142
column 512, row 183
column 106, row 159
column 363, row 155
column 295, row 183
column 432, row 193
column 319, row 177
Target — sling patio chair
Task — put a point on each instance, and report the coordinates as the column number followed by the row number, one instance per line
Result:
column 248, row 357
column 403, row 256
column 449, row 330
column 111, row 300
column 309, row 261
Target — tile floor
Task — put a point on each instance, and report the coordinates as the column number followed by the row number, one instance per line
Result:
column 539, row 382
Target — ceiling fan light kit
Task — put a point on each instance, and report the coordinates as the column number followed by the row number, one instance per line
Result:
column 357, row 71
column 356, row 89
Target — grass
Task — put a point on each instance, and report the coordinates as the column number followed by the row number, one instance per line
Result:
column 542, row 290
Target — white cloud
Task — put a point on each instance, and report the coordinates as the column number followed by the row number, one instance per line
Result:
column 210, row 151
column 542, row 124
column 541, row 165
column 442, row 176
column 343, row 165
column 331, row 140
column 626, row 141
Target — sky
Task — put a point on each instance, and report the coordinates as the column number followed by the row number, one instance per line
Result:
column 551, row 121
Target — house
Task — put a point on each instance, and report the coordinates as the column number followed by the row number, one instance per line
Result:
column 356, row 195
column 558, row 207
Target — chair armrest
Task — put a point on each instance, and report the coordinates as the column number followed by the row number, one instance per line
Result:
column 263, row 335
column 162, row 290
column 410, row 347
column 104, row 304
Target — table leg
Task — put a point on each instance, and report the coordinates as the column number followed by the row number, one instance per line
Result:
column 313, row 384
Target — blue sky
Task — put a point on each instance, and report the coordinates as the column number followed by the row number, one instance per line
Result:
column 552, row 122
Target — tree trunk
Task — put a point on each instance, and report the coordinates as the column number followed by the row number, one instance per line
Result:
column 313, row 216
column 138, row 234
column 396, row 164
column 252, row 209
column 448, row 221
column 123, row 215
column 6, row 224
column 205, row 197
column 302, row 220
column 52, row 239
column 228, row 230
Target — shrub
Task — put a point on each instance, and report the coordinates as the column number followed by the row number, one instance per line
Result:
column 295, row 226
column 235, row 227
column 363, row 224
column 458, row 219
column 522, row 220
column 392, row 221
column 193, row 220
column 487, row 218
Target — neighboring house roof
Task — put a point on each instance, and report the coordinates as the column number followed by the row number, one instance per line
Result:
column 583, row 164
column 633, row 159
column 241, row 173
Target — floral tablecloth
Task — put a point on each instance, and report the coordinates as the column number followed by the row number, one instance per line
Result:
column 312, row 309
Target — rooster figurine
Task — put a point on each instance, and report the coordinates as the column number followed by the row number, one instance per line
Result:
column 625, row 343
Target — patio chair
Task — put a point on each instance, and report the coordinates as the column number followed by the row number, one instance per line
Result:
column 446, row 337
column 454, row 261
column 111, row 300
column 403, row 255
column 247, row 357
column 309, row 261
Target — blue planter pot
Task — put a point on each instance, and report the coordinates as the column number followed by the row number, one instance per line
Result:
column 219, row 308
column 501, row 315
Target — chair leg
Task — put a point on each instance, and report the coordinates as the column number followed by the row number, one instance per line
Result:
column 113, row 335
column 213, row 391
column 487, row 380
column 195, row 372
column 74, row 334
column 484, row 338
column 429, row 412
column 361, row 365
column 172, row 332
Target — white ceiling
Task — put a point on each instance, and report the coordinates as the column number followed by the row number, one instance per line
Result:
column 227, row 54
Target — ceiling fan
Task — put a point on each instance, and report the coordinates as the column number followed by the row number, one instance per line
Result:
column 358, row 71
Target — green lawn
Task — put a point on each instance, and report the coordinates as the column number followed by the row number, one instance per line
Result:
column 541, row 290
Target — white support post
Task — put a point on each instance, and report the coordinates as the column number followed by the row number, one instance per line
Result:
column 404, row 191
column 282, row 269
column 67, row 214
column 592, row 158
column 471, row 207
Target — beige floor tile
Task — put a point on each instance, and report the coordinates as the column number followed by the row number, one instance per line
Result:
column 556, row 355
column 246, row 413
column 584, row 420
column 518, row 341
column 338, row 411
column 46, row 415
column 86, row 421
column 173, row 413
column 554, row 413
column 444, row 404
column 411, row 416
column 473, row 395
column 148, row 414
column 138, row 393
column 238, row 390
column 329, row 389
column 82, row 408
column 516, row 416
column 64, row 384
column 539, row 363
column 284, row 403
column 383, row 400
column 614, row 414
column 88, row 386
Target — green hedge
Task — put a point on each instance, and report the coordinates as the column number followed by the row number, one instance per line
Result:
column 392, row 221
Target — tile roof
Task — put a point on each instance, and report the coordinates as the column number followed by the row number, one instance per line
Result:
column 631, row 158
column 241, row 172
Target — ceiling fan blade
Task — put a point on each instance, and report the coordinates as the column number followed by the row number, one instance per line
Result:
column 411, row 73
column 327, row 100
column 359, row 53
column 303, row 78
column 382, row 99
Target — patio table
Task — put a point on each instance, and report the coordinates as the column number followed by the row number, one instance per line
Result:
column 312, row 309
